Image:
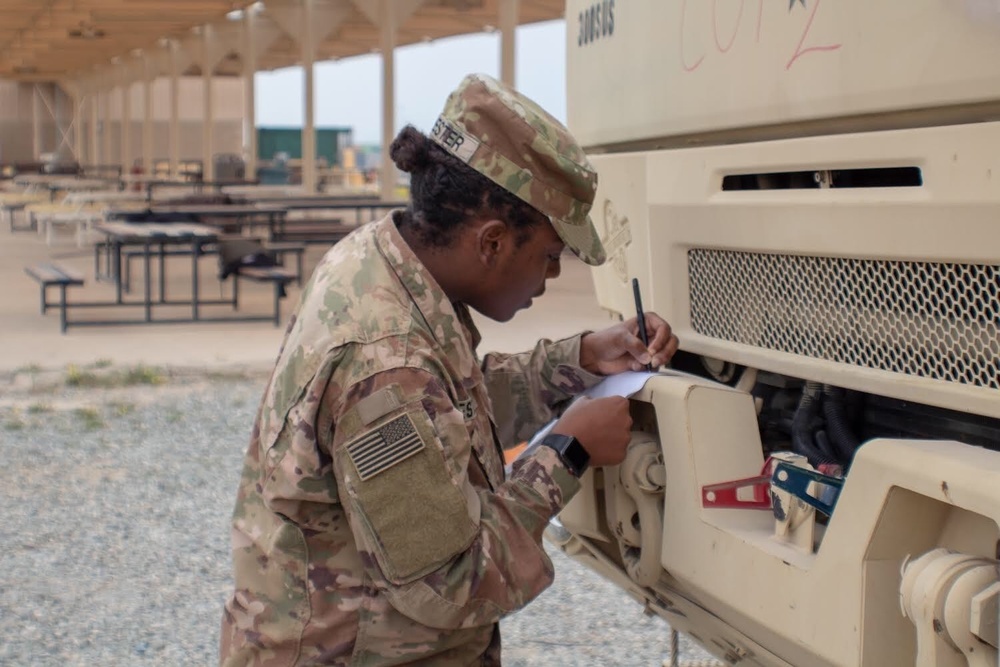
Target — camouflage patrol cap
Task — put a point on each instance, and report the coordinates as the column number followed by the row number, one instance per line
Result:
column 515, row 143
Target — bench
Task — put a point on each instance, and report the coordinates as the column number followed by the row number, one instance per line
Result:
column 278, row 276
column 279, row 250
column 48, row 274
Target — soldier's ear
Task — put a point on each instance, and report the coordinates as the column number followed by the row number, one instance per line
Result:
column 491, row 238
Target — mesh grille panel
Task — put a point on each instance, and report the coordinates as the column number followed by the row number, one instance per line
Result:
column 937, row 321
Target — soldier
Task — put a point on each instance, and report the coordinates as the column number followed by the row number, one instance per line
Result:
column 374, row 524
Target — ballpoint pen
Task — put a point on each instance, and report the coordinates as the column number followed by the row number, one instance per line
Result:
column 640, row 318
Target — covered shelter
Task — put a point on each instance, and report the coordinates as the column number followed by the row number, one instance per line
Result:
column 95, row 49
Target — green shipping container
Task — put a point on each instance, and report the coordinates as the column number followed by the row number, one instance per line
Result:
column 329, row 142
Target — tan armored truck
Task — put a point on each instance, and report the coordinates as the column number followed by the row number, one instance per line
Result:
column 809, row 191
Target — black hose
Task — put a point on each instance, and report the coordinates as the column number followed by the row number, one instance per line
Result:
column 804, row 423
column 837, row 423
column 824, row 446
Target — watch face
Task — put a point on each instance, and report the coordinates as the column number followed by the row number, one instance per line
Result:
column 577, row 454
column 570, row 451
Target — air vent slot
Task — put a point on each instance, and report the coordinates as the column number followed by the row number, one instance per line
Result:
column 879, row 177
column 939, row 321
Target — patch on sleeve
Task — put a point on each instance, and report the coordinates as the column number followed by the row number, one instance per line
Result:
column 467, row 408
column 378, row 450
column 379, row 404
column 413, row 516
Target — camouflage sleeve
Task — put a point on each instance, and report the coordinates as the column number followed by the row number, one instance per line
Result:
column 527, row 389
column 446, row 552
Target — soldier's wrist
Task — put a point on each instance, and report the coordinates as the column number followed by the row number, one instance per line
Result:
column 571, row 452
column 588, row 356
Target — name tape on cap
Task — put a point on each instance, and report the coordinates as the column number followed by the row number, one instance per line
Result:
column 453, row 140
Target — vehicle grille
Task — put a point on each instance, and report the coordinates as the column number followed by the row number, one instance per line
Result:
column 924, row 319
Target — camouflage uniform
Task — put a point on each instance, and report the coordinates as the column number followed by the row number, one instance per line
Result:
column 374, row 524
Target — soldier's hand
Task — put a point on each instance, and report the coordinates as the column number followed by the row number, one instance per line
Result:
column 602, row 425
column 619, row 348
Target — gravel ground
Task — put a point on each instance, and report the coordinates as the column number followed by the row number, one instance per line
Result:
column 114, row 544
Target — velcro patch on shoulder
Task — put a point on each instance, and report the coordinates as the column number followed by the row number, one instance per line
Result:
column 379, row 404
column 378, row 450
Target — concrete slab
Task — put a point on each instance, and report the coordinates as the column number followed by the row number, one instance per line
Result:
column 29, row 339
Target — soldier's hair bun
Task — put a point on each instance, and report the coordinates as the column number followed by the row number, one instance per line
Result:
column 445, row 192
column 410, row 150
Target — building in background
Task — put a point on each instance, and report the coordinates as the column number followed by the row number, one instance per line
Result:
column 22, row 143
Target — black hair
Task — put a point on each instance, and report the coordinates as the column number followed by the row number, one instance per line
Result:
column 445, row 193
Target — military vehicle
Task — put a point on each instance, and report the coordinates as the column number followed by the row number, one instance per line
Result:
column 809, row 191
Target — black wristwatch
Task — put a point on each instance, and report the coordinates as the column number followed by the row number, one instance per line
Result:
column 570, row 451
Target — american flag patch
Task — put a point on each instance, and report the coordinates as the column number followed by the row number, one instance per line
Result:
column 379, row 450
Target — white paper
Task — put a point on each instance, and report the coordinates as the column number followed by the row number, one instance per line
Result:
column 625, row 384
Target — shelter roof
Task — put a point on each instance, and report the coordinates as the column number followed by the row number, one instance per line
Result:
column 64, row 40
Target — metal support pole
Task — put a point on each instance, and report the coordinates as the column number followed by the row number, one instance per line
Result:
column 508, row 41
column 126, row 147
column 208, row 115
column 309, row 126
column 387, row 180
column 250, row 92
column 175, row 95
column 36, row 122
column 106, row 129
column 147, row 119
column 93, row 102
column 78, row 143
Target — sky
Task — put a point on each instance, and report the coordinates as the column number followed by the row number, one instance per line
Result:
column 349, row 92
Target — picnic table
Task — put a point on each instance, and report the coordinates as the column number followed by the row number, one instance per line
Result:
column 263, row 192
column 338, row 204
column 276, row 216
column 243, row 217
column 119, row 235
column 78, row 210
column 314, row 220
column 54, row 184
column 37, row 180
column 196, row 186
column 154, row 239
column 47, row 217
column 13, row 202
column 101, row 196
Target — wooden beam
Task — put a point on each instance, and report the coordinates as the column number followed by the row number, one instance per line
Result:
column 35, row 44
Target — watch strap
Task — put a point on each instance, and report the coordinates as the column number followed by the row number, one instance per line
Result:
column 572, row 454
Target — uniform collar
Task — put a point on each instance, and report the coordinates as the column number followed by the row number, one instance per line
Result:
column 450, row 323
